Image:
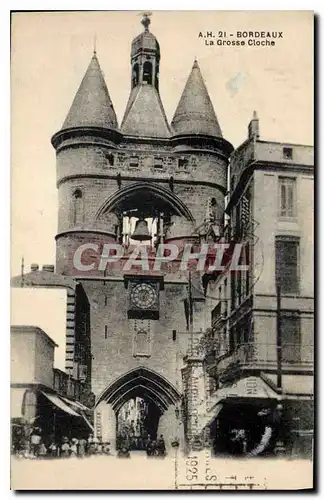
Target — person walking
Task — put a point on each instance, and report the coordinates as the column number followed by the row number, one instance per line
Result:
column 161, row 446
column 35, row 441
column 65, row 448
column 82, row 447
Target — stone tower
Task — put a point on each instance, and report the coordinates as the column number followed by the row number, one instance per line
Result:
column 154, row 178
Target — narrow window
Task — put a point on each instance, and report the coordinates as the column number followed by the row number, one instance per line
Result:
column 77, row 209
column 106, row 331
column 147, row 73
column 291, row 342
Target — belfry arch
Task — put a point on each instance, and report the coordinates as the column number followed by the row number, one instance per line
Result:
column 127, row 198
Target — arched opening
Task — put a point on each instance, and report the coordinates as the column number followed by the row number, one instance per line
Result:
column 147, row 73
column 151, row 202
column 137, row 422
column 144, row 406
column 135, row 75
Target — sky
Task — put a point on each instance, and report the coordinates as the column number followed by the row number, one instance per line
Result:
column 50, row 54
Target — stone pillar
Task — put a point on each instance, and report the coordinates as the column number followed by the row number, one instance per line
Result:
column 196, row 399
column 171, row 426
column 105, row 424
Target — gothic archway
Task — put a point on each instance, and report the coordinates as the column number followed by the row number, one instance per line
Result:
column 140, row 381
column 143, row 403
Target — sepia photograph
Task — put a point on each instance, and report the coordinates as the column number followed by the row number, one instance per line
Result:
column 162, row 250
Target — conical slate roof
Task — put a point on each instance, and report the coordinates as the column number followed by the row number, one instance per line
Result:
column 92, row 105
column 195, row 113
column 144, row 115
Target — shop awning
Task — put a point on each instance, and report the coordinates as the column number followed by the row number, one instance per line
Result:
column 249, row 387
column 214, row 412
column 82, row 409
column 56, row 401
column 87, row 422
column 76, row 404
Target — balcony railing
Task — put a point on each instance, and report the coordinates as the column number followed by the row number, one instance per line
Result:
column 261, row 354
column 267, row 353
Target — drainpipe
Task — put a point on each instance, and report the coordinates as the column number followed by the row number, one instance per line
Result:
column 279, row 341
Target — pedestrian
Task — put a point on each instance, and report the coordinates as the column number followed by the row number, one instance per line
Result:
column 65, row 448
column 123, row 453
column 82, row 447
column 52, row 449
column 42, row 450
column 74, row 448
column 35, row 441
column 161, row 446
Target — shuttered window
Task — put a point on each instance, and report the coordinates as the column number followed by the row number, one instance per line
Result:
column 287, row 196
column 290, row 332
column 287, row 263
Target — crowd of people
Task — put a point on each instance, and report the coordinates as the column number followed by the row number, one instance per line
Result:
column 153, row 448
column 34, row 445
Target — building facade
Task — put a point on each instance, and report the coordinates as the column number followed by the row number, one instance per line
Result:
column 199, row 350
column 38, row 396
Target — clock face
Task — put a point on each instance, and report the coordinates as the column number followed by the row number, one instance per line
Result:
column 143, row 296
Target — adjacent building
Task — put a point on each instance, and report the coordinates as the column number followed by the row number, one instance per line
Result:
column 262, row 319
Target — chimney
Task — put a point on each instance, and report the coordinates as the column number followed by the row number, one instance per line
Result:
column 34, row 267
column 253, row 128
column 48, row 267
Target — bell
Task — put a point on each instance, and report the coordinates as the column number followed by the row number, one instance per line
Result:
column 141, row 232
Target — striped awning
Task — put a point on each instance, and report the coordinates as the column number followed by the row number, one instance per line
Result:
column 59, row 403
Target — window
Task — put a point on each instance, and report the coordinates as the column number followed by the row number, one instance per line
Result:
column 77, row 208
column 287, row 263
column 158, row 163
column 106, row 331
column 110, row 159
column 287, row 153
column 133, row 162
column 290, row 334
column 287, row 193
column 182, row 163
column 147, row 73
column 215, row 314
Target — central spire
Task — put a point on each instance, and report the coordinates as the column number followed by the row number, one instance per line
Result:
column 144, row 115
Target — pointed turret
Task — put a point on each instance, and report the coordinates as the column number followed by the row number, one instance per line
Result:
column 144, row 115
column 195, row 114
column 92, row 106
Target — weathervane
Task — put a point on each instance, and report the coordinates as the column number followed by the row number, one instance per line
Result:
column 146, row 21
